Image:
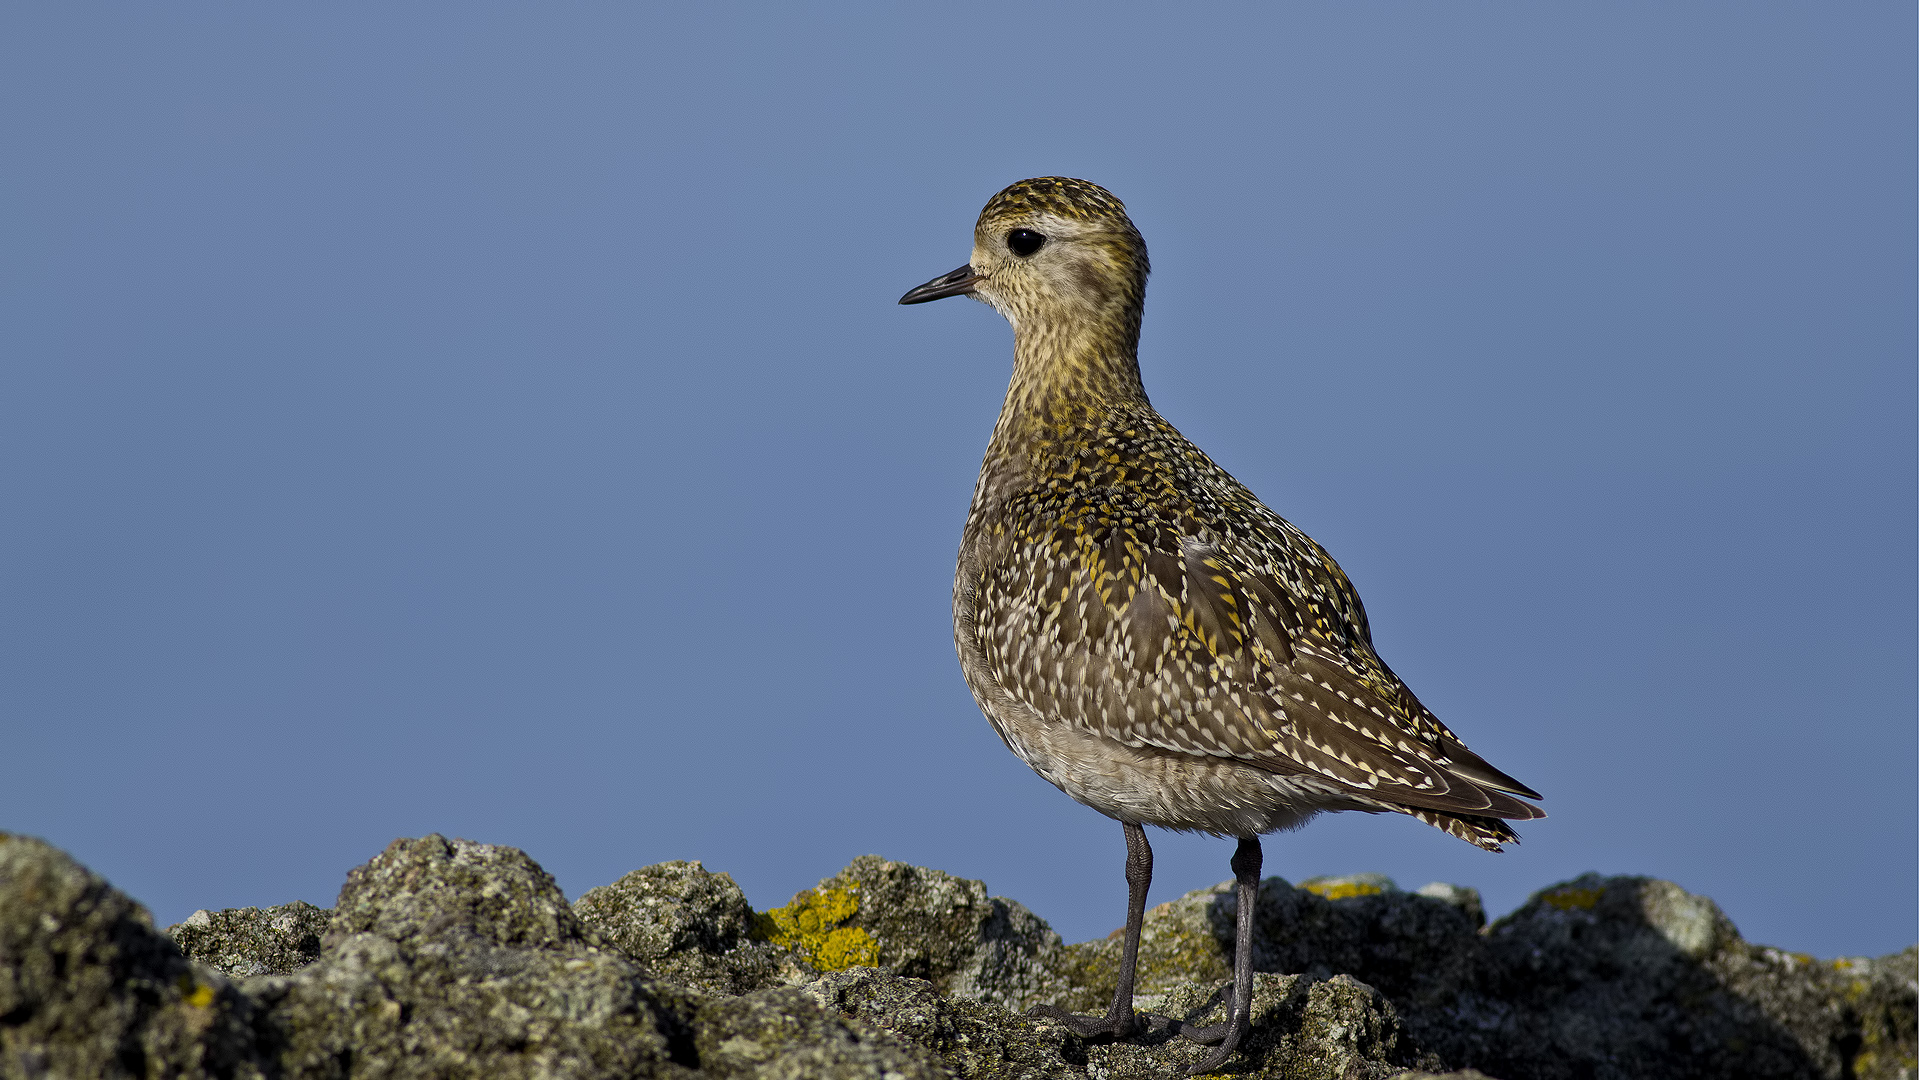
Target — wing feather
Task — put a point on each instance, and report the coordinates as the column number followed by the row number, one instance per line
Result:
column 1167, row 638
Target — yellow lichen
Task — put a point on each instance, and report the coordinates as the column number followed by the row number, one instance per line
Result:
column 1348, row 885
column 812, row 926
column 845, row 947
column 1569, row 899
column 197, row 994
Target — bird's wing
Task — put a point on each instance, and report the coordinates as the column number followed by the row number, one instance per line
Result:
column 1255, row 650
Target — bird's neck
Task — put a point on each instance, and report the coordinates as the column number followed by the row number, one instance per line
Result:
column 1073, row 363
column 1069, row 381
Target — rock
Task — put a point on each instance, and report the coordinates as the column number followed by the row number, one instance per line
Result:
column 1334, row 1029
column 920, row 923
column 240, row 942
column 88, row 988
column 448, row 958
column 1344, row 886
column 684, row 924
column 1304, row 1028
column 430, row 890
column 1596, row 978
column 784, row 1034
column 454, row 957
column 1460, row 897
column 972, row 1038
column 1628, row 977
column 1409, row 946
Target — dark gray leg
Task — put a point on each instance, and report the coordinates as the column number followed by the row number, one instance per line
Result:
column 1119, row 1021
column 1246, row 879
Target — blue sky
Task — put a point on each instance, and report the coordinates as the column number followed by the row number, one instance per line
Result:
column 495, row 420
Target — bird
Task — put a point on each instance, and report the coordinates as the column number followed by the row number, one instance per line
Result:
column 1142, row 630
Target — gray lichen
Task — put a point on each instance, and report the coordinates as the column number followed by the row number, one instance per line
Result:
column 446, row 958
column 240, row 942
column 689, row 926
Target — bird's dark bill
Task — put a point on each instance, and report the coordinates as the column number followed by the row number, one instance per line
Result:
column 958, row 283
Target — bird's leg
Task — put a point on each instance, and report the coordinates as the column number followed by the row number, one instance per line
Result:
column 1119, row 1021
column 1246, row 879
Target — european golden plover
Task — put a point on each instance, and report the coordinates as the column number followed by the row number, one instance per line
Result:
column 1141, row 629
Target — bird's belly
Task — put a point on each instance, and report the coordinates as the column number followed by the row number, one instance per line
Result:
column 1148, row 786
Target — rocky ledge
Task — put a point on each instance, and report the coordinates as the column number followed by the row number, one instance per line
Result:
column 446, row 958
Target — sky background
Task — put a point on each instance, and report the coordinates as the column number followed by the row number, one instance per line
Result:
column 496, row 420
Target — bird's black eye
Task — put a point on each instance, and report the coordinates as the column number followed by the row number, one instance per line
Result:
column 1024, row 242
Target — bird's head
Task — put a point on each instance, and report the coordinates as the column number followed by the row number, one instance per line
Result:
column 1059, row 258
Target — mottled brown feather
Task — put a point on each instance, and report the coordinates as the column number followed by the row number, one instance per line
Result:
column 1115, row 581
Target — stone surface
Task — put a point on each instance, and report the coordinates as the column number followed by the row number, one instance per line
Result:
column 784, row 1034
column 450, row 958
column 687, row 925
column 1632, row 977
column 1598, row 978
column 972, row 1038
column 1303, row 1029
column 240, row 942
column 446, row 958
column 1407, row 945
column 1460, row 897
column 88, row 988
column 923, row 924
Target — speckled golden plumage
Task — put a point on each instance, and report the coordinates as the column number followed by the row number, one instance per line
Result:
column 1115, row 581
column 1139, row 627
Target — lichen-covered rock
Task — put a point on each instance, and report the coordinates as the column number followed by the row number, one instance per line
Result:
column 1623, row 977
column 1408, row 945
column 818, row 926
column 1178, row 946
column 88, row 988
column 1461, row 898
column 973, row 1039
column 431, row 889
column 784, row 1034
column 921, row 923
column 1304, row 1028
column 1343, row 886
column 1334, row 1029
column 1596, row 978
column 241, row 942
column 450, row 958
column 685, row 924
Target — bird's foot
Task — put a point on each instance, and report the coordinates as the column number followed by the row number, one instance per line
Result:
column 1228, row 1034
column 1114, row 1025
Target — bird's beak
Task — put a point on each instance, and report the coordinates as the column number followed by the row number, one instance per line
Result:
column 958, row 283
